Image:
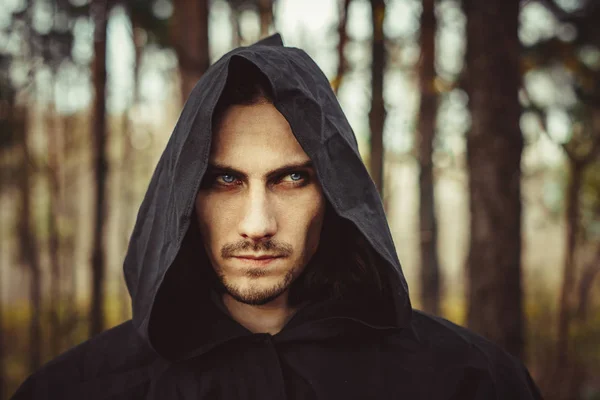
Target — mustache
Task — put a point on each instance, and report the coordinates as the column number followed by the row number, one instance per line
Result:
column 270, row 246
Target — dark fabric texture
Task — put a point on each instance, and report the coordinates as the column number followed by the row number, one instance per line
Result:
column 182, row 344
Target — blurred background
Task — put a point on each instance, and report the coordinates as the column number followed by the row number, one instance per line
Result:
column 478, row 121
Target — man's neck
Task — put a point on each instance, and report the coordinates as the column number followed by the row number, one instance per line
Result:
column 267, row 318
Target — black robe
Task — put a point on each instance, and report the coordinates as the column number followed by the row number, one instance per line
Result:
column 182, row 344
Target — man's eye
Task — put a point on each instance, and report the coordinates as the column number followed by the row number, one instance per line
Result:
column 226, row 178
column 294, row 177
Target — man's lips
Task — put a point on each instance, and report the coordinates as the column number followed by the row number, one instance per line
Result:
column 260, row 260
column 263, row 257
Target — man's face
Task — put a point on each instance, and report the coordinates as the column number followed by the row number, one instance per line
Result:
column 260, row 207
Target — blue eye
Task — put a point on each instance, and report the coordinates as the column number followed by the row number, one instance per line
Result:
column 296, row 176
column 228, row 178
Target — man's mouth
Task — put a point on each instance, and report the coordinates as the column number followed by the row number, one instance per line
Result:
column 258, row 259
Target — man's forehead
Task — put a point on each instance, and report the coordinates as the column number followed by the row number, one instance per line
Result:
column 254, row 137
column 259, row 168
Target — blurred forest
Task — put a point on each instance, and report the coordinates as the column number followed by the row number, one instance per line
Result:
column 479, row 122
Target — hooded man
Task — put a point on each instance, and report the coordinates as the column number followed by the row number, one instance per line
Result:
column 261, row 265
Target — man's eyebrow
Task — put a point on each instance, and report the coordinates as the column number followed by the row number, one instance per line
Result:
column 289, row 168
column 219, row 167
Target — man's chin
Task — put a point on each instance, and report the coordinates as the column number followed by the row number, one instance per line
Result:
column 255, row 297
column 259, row 291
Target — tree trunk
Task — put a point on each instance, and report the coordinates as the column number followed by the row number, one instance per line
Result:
column 3, row 271
column 29, row 247
column 190, row 40
column 494, row 147
column 430, row 272
column 128, row 164
column 588, row 276
column 377, row 114
column 343, row 39
column 126, row 189
column 71, row 177
column 265, row 12
column 2, row 349
column 578, row 164
column 572, row 224
column 100, row 169
column 54, row 233
column 236, row 29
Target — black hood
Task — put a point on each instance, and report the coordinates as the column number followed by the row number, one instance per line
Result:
column 304, row 97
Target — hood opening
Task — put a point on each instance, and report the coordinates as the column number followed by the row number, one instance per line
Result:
column 172, row 305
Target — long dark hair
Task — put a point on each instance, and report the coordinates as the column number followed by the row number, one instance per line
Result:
column 345, row 266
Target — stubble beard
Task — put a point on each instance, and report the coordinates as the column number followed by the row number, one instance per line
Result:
column 255, row 296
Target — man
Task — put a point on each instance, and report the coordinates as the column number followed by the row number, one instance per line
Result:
column 261, row 265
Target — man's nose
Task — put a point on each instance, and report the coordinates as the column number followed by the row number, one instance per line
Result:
column 258, row 222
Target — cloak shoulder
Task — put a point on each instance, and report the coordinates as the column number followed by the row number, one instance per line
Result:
column 110, row 364
column 468, row 365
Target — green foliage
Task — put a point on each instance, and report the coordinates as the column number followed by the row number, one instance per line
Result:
column 74, row 330
column 7, row 101
column 584, row 336
column 541, row 326
column 581, row 71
